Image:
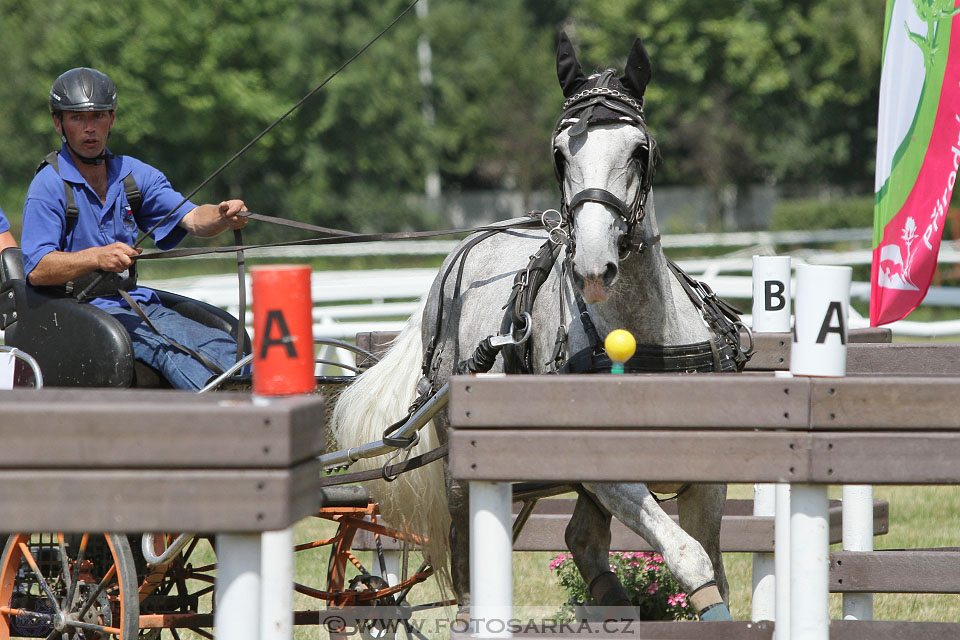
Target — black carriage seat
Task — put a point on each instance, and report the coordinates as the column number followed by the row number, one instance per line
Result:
column 79, row 345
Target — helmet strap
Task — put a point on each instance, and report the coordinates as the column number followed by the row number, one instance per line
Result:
column 94, row 161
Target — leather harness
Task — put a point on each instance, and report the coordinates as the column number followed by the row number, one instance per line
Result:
column 104, row 283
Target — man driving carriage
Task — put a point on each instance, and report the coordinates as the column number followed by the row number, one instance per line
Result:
column 80, row 220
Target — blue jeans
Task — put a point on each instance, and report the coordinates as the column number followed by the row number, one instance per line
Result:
column 181, row 370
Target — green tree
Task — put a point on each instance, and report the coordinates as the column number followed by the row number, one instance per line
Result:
column 766, row 90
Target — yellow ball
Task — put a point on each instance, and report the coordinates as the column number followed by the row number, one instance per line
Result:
column 620, row 345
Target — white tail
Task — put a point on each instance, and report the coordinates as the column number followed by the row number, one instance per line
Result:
column 416, row 501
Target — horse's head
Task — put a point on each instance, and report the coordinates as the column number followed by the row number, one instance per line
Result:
column 605, row 159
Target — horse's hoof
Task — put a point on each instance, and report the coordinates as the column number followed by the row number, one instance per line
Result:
column 608, row 592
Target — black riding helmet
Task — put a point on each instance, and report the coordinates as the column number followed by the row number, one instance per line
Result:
column 83, row 89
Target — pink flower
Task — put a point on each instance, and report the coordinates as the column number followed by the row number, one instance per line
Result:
column 677, row 600
column 653, row 588
column 657, row 558
column 559, row 560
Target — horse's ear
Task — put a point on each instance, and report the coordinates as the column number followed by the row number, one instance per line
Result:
column 638, row 71
column 568, row 69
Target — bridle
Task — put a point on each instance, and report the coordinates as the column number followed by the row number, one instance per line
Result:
column 578, row 114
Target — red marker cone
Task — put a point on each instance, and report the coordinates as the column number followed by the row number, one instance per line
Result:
column 283, row 361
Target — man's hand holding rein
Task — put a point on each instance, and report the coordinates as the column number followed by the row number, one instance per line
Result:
column 207, row 220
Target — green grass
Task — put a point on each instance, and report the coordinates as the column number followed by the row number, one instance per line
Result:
column 919, row 517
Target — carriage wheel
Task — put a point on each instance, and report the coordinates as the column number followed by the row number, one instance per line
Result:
column 172, row 597
column 351, row 584
column 68, row 587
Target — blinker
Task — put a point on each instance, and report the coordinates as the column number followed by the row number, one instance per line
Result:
column 581, row 126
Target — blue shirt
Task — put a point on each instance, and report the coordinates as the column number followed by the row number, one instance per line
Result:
column 4, row 223
column 99, row 224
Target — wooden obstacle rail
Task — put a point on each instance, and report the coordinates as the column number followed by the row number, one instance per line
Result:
column 129, row 461
column 855, row 430
column 741, row 531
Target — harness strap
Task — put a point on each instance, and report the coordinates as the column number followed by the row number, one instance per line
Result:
column 526, row 286
column 429, row 367
column 207, row 362
column 71, row 211
column 712, row 355
column 342, row 238
column 721, row 353
column 241, row 293
column 387, row 472
column 588, row 327
column 722, row 317
column 603, row 197
column 296, row 224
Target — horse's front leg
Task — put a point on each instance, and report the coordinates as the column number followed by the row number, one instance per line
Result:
column 701, row 511
column 634, row 505
column 588, row 539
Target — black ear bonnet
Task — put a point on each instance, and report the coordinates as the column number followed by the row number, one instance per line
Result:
column 604, row 98
column 599, row 99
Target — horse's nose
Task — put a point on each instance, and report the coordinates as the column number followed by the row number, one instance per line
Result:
column 609, row 274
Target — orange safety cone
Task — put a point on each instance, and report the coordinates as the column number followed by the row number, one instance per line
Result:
column 283, row 360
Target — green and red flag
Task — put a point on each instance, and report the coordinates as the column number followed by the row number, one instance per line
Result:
column 918, row 151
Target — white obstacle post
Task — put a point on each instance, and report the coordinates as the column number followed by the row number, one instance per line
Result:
column 809, row 563
column 858, row 536
column 819, row 348
column 491, row 559
column 276, row 585
column 238, row 587
column 763, row 603
column 781, row 545
column 771, row 314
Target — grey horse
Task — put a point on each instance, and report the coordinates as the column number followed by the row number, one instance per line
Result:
column 601, row 267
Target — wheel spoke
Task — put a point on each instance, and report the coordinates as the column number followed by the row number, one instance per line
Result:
column 86, row 626
column 432, row 605
column 64, row 565
column 412, row 631
column 75, row 578
column 403, row 594
column 36, row 570
column 53, row 634
column 96, row 594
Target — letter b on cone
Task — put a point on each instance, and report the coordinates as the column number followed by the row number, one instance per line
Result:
column 771, row 294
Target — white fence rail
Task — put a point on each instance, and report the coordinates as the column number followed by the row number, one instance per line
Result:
column 347, row 302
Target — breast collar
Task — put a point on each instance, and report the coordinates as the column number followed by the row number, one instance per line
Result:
column 722, row 353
